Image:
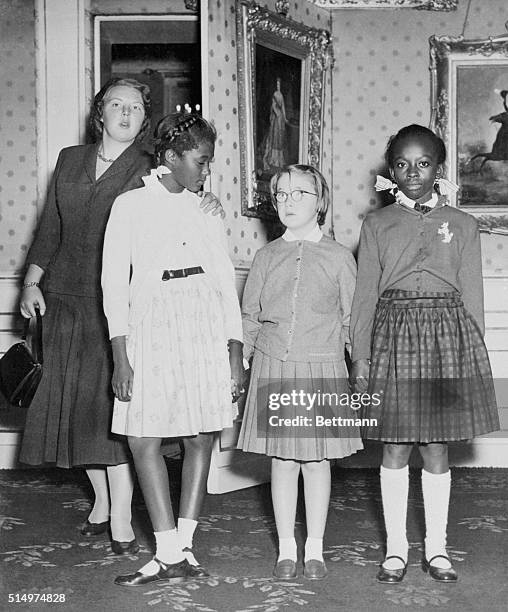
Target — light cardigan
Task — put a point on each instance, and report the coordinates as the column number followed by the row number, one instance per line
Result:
column 297, row 300
column 401, row 248
column 154, row 230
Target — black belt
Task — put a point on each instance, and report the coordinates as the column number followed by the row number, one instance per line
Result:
column 181, row 273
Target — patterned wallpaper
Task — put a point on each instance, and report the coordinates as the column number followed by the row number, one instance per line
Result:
column 381, row 83
column 246, row 234
column 18, row 184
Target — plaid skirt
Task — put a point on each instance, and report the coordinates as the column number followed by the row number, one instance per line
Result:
column 430, row 369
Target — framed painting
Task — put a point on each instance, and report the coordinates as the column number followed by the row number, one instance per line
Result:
column 281, row 71
column 469, row 91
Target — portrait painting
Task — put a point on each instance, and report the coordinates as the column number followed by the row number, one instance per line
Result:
column 281, row 69
column 469, row 90
column 278, row 110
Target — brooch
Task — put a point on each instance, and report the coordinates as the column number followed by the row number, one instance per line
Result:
column 445, row 232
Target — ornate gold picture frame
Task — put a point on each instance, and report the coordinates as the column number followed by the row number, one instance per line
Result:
column 469, row 92
column 281, row 75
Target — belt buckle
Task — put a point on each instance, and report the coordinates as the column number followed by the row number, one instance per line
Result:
column 184, row 272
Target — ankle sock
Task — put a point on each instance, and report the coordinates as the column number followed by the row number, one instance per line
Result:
column 167, row 550
column 394, row 492
column 314, row 549
column 287, row 549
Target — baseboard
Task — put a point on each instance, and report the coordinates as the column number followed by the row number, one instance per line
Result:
column 486, row 451
column 490, row 450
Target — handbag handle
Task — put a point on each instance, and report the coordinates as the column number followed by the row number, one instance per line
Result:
column 37, row 339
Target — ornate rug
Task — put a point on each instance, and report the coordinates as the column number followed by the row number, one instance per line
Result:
column 46, row 563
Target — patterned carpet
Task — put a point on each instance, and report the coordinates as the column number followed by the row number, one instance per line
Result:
column 42, row 553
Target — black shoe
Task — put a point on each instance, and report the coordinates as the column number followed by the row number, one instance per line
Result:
column 437, row 573
column 392, row 575
column 172, row 573
column 93, row 529
column 125, row 548
column 198, row 571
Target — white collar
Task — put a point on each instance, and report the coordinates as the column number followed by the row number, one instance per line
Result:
column 404, row 200
column 314, row 235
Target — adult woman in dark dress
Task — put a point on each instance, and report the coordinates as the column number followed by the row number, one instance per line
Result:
column 69, row 421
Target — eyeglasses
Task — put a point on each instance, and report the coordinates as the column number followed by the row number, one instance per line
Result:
column 296, row 195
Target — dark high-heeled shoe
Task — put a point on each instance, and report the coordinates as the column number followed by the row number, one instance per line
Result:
column 125, row 548
column 392, row 575
column 438, row 573
column 172, row 573
column 92, row 529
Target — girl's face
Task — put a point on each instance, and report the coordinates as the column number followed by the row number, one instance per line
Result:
column 301, row 216
column 123, row 113
column 191, row 169
column 415, row 168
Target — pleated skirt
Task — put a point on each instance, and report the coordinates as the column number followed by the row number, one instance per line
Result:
column 182, row 377
column 69, row 421
column 431, row 369
column 262, row 431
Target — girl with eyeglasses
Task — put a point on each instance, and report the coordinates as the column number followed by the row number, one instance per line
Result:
column 296, row 308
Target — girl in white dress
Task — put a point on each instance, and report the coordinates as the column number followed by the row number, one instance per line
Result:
column 173, row 315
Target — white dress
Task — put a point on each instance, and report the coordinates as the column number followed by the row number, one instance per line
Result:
column 177, row 330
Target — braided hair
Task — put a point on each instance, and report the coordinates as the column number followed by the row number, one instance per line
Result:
column 181, row 132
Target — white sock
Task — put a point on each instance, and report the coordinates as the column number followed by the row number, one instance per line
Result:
column 168, row 548
column 287, row 549
column 436, row 497
column 394, row 492
column 186, row 529
column 314, row 549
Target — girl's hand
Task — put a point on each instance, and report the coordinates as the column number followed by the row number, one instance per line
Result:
column 211, row 203
column 359, row 379
column 237, row 370
column 122, row 381
column 31, row 298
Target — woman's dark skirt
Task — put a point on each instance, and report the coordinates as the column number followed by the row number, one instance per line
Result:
column 69, row 420
column 430, row 367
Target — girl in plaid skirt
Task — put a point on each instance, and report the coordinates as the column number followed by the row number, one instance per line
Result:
column 421, row 346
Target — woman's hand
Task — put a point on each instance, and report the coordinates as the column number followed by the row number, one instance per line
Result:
column 211, row 203
column 31, row 298
column 121, row 382
column 237, row 371
column 359, row 379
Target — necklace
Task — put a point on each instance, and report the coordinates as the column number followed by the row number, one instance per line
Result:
column 104, row 159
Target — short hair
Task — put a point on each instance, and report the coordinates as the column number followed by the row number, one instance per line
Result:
column 414, row 131
column 182, row 132
column 95, row 123
column 322, row 190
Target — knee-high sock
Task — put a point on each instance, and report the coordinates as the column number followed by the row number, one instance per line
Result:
column 436, row 498
column 121, row 485
column 394, row 491
column 99, row 481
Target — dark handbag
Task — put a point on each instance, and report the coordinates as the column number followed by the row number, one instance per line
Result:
column 21, row 368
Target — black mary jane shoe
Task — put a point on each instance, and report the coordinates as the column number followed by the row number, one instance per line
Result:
column 171, row 573
column 92, row 529
column 438, row 573
column 198, row 571
column 392, row 575
column 125, row 548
